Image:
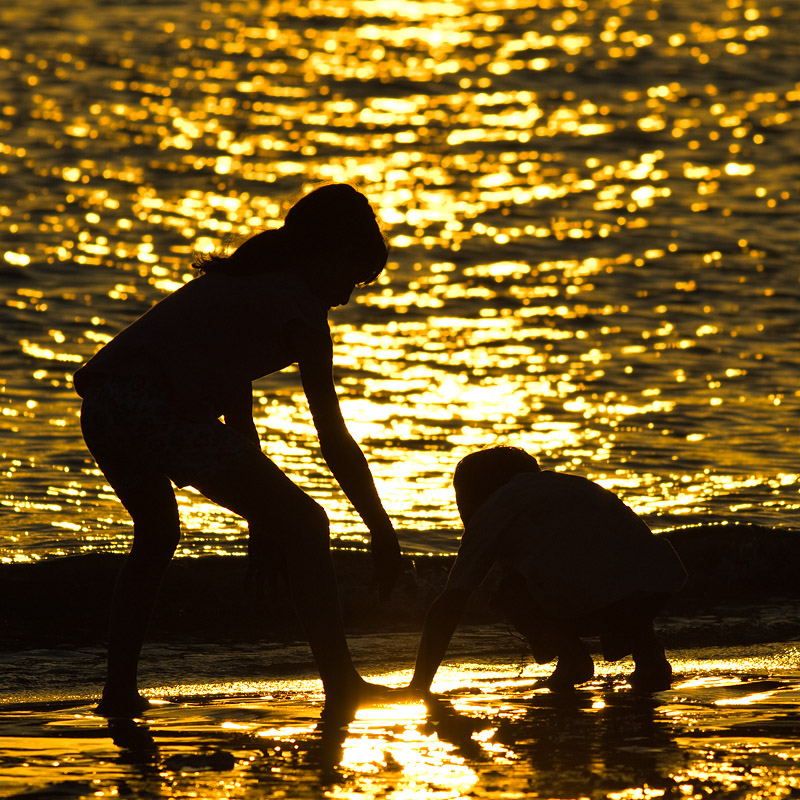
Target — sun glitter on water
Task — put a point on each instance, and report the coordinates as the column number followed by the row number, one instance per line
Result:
column 589, row 222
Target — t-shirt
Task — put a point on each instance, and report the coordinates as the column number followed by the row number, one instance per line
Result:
column 215, row 332
column 577, row 545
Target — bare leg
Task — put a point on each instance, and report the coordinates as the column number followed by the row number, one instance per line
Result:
column 652, row 672
column 298, row 534
column 156, row 532
column 547, row 636
column 574, row 665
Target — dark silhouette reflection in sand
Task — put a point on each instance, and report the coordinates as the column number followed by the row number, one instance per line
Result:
column 593, row 744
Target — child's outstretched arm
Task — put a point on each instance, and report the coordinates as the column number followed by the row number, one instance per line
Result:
column 440, row 624
column 476, row 555
column 343, row 455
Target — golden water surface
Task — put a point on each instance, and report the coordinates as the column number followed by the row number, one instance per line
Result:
column 592, row 208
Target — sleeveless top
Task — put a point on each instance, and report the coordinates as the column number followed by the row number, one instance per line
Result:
column 216, row 332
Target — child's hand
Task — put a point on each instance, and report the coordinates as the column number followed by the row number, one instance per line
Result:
column 385, row 560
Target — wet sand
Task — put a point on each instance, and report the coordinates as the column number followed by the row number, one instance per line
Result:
column 729, row 727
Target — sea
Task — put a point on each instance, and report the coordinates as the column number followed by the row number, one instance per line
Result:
column 592, row 209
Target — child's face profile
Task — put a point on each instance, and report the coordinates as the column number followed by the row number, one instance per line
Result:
column 468, row 502
column 339, row 296
column 334, row 274
column 334, row 285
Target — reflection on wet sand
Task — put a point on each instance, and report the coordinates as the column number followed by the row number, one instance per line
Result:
column 728, row 728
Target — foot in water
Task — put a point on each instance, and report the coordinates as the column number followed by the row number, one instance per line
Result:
column 652, row 672
column 127, row 706
column 651, row 678
column 568, row 674
column 342, row 708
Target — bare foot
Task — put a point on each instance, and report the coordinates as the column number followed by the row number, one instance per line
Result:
column 341, row 709
column 376, row 693
column 128, row 706
column 567, row 675
column 651, row 678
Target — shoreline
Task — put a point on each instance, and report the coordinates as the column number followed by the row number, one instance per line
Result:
column 742, row 589
column 727, row 727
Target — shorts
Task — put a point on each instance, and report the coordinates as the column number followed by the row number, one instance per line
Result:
column 133, row 432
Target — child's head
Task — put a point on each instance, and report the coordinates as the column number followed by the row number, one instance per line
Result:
column 337, row 218
column 481, row 473
column 332, row 232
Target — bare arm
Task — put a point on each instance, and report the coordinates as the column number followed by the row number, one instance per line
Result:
column 440, row 624
column 238, row 411
column 476, row 556
column 344, row 456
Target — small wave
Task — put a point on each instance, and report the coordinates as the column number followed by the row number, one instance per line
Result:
column 742, row 588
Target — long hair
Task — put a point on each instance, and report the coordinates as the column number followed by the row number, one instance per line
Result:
column 332, row 222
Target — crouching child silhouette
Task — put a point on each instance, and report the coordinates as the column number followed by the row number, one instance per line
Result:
column 154, row 401
column 575, row 562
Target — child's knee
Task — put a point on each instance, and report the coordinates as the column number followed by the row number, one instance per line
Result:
column 156, row 539
column 302, row 521
column 310, row 523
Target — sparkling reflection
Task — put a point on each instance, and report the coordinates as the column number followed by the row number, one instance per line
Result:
column 590, row 209
column 389, row 738
column 727, row 727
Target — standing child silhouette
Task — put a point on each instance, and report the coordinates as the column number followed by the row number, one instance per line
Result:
column 155, row 396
